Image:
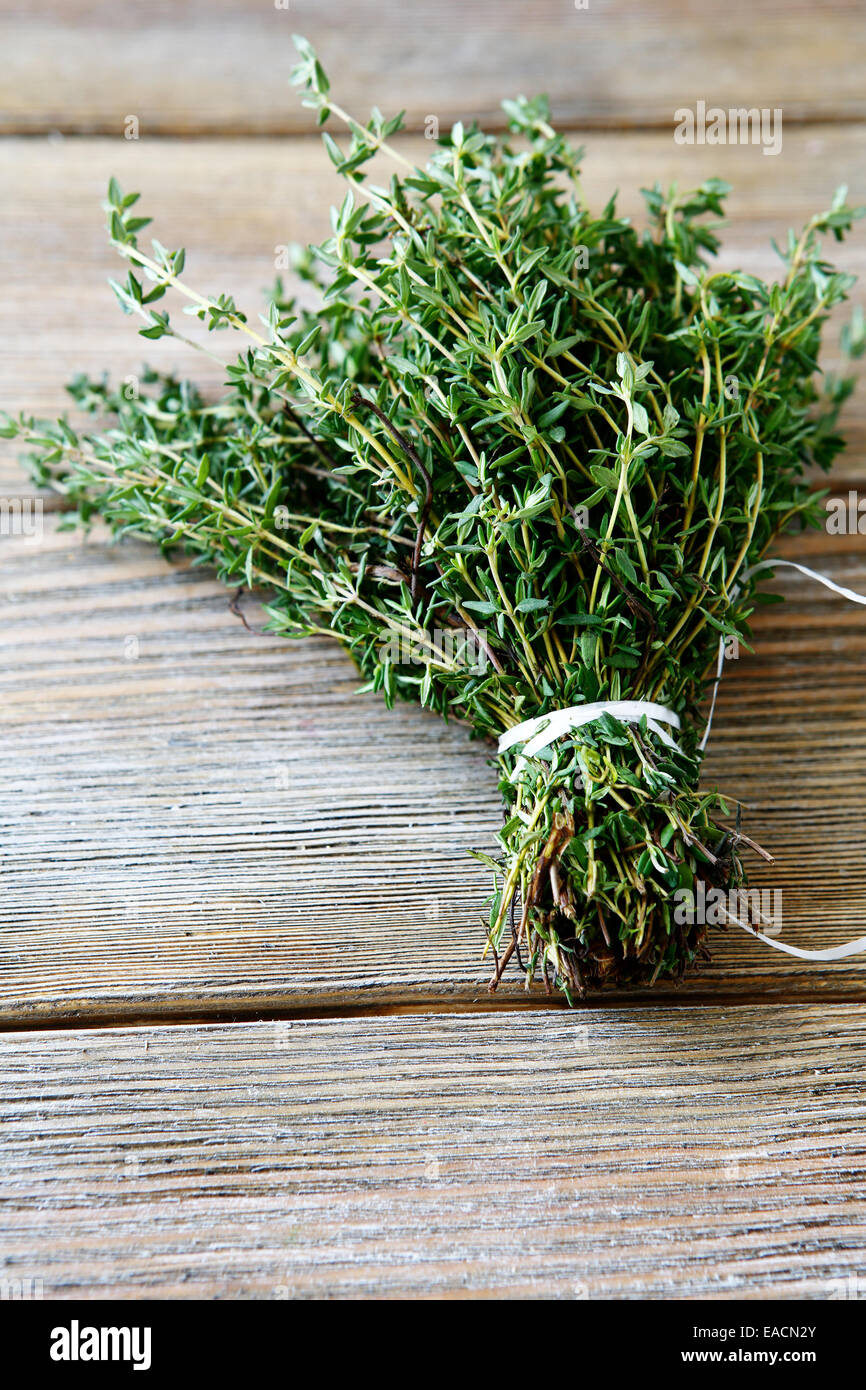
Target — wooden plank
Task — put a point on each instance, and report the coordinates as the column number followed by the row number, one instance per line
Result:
column 196, row 819
column 221, row 66
column 690, row 1153
column 218, row 822
column 232, row 203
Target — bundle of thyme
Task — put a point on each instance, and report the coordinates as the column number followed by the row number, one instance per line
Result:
column 558, row 440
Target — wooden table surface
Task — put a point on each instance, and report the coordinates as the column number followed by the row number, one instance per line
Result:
column 247, row 1047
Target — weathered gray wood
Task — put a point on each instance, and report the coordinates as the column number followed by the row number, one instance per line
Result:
column 316, row 855
column 688, row 1153
column 221, row 66
column 196, row 818
column 233, row 203
column 196, row 821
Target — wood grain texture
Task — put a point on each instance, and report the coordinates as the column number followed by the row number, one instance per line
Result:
column 690, row 1153
column 233, row 203
column 197, row 819
column 218, row 822
column 221, row 66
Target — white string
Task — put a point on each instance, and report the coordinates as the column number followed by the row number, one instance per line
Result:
column 850, row 948
column 840, row 589
column 537, row 734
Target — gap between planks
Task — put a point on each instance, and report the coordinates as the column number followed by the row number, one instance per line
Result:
column 225, row 1015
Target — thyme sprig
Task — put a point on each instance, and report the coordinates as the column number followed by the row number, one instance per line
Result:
column 562, row 438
